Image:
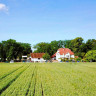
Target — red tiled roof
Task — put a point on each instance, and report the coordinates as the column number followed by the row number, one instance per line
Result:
column 63, row 51
column 37, row 55
column 53, row 55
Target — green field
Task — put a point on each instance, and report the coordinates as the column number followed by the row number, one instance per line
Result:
column 48, row 79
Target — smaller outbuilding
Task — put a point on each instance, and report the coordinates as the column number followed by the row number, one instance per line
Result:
column 37, row 57
column 24, row 58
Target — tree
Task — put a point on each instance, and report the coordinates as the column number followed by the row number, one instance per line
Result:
column 46, row 56
column 43, row 48
column 2, row 52
column 82, row 50
column 91, row 55
column 76, row 44
column 26, row 48
column 67, row 44
column 10, row 55
column 91, row 44
column 11, row 49
column 54, row 47
column 64, row 43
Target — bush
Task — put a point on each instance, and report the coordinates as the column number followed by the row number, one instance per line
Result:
column 85, row 60
column 70, row 60
column 46, row 56
column 91, row 55
column 78, row 59
column 63, row 60
column 67, row 60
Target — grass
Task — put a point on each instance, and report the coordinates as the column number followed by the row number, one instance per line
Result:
column 48, row 79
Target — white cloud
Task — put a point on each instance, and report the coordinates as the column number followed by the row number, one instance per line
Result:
column 3, row 8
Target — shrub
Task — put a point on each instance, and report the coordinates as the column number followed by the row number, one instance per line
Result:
column 91, row 55
column 78, row 59
column 63, row 60
column 46, row 56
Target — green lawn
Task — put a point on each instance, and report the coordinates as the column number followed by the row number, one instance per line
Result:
column 48, row 79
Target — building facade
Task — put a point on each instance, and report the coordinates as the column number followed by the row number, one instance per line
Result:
column 63, row 53
column 37, row 57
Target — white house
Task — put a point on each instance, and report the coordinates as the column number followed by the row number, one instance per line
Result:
column 37, row 57
column 63, row 53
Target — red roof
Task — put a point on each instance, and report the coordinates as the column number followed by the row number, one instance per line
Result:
column 63, row 51
column 53, row 55
column 37, row 55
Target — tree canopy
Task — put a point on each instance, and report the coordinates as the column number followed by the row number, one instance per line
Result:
column 77, row 45
column 46, row 56
column 91, row 55
column 11, row 49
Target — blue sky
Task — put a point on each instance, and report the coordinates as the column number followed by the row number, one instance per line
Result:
column 34, row 21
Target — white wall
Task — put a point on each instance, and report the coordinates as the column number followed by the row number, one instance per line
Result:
column 67, row 55
column 72, row 56
column 37, row 60
column 58, row 56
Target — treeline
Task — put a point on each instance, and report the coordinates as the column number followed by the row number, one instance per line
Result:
column 11, row 49
column 77, row 45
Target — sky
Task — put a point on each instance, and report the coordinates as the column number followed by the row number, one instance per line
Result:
column 34, row 21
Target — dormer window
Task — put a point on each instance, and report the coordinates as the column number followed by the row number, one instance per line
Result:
column 67, row 56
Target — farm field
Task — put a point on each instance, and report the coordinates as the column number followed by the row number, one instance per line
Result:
column 48, row 79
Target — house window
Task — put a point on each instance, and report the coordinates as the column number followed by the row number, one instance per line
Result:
column 38, row 58
column 67, row 56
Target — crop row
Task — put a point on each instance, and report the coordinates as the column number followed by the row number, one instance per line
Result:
column 6, row 82
column 22, row 84
column 27, row 84
column 66, row 80
column 50, row 80
column 10, row 72
column 8, row 69
column 35, row 87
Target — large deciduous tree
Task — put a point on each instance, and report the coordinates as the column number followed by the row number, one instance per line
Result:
column 11, row 49
column 76, row 44
column 2, row 52
column 52, row 47
column 42, row 48
column 91, row 55
column 64, row 43
column 91, row 44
